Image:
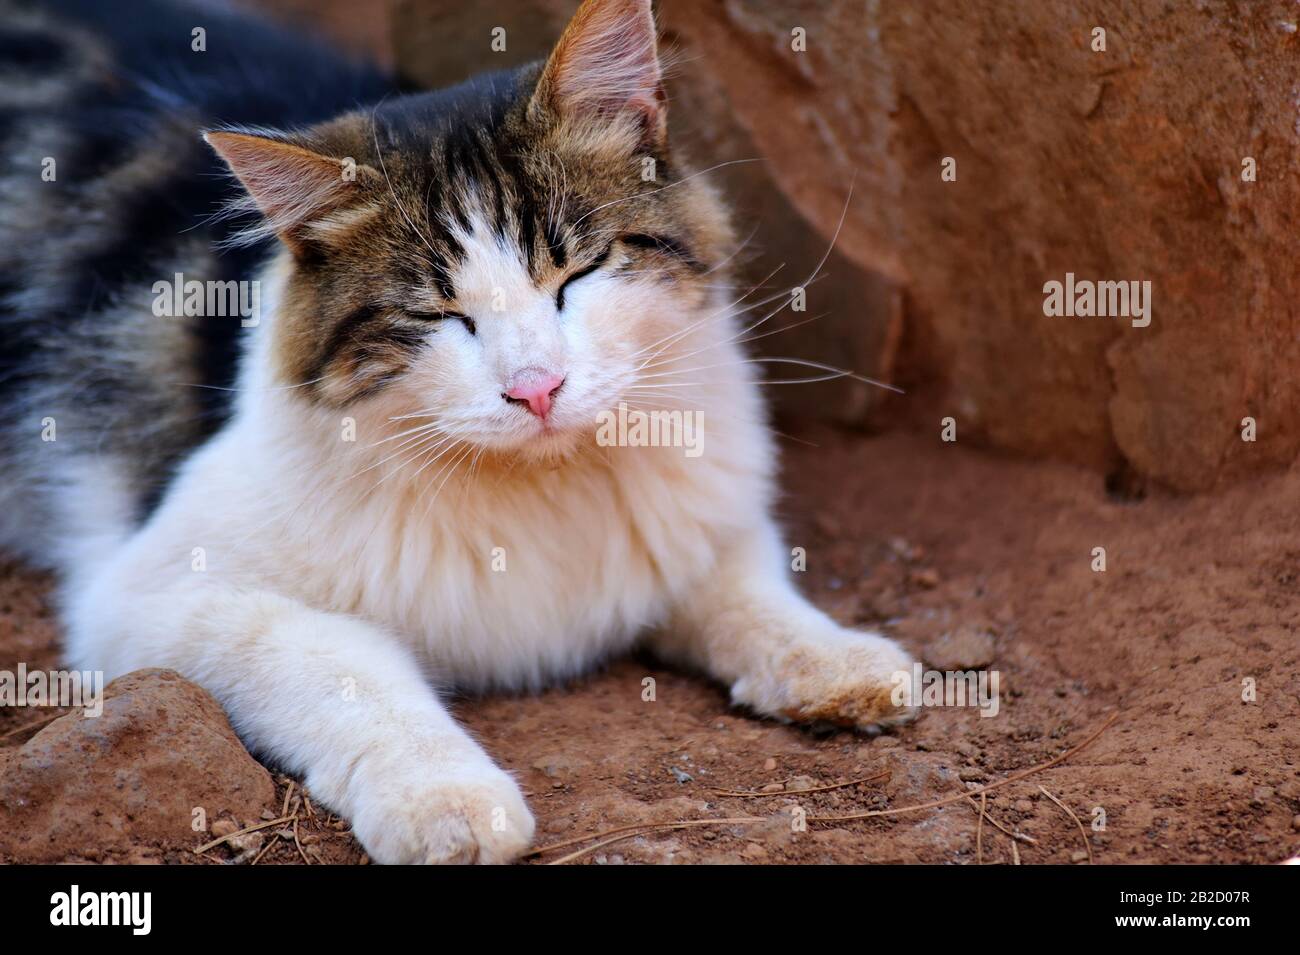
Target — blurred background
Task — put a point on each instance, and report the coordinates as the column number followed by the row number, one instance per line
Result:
column 1122, row 163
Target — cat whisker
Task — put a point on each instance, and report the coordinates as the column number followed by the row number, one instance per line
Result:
column 678, row 182
column 643, row 405
column 421, row 444
column 672, row 337
column 414, row 414
column 427, row 449
column 450, row 468
column 417, row 442
column 236, row 390
column 839, row 226
column 374, row 132
column 733, row 340
column 734, row 252
column 416, row 430
column 788, row 298
column 808, row 363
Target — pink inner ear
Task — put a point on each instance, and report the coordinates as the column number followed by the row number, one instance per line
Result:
column 290, row 184
column 607, row 62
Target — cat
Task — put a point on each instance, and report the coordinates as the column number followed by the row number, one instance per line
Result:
column 379, row 473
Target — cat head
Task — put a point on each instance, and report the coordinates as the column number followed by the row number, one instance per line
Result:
column 495, row 260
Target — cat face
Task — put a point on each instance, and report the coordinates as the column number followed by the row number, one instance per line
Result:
column 495, row 261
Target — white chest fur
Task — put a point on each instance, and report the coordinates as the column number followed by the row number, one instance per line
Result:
column 505, row 579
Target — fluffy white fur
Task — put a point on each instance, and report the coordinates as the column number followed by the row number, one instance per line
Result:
column 321, row 588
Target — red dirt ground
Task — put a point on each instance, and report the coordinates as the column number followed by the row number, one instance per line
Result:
column 919, row 539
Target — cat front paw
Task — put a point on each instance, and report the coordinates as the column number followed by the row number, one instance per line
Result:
column 835, row 676
column 460, row 816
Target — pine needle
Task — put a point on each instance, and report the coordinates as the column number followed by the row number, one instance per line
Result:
column 1083, row 833
column 626, row 832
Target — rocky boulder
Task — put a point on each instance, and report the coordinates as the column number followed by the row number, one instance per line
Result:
column 129, row 784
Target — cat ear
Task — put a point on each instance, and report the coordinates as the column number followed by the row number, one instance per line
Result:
column 296, row 188
column 606, row 67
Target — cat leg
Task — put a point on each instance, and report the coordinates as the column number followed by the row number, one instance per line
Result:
column 748, row 626
column 327, row 697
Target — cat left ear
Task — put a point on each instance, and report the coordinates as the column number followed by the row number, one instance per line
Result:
column 606, row 67
column 293, row 186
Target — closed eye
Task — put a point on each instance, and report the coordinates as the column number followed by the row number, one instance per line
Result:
column 596, row 263
column 663, row 244
column 440, row 316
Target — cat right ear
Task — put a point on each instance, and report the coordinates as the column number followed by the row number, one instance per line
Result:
column 300, row 192
column 605, row 68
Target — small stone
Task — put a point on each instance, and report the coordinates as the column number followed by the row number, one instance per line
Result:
column 966, row 648
column 1078, row 855
column 776, row 830
column 224, row 827
column 1023, row 805
column 753, row 851
column 1289, row 789
column 972, row 775
column 801, row 784
column 681, row 775
column 927, row 578
column 906, row 550
column 769, row 764
column 246, row 846
column 131, row 777
column 553, row 765
column 1295, row 823
column 773, row 788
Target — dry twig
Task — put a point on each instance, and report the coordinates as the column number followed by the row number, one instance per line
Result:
column 754, row 794
column 1015, row 836
column 1083, row 833
column 627, row 832
column 305, row 860
column 35, row 724
column 261, row 825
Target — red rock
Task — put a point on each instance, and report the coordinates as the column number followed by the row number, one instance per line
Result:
column 131, row 777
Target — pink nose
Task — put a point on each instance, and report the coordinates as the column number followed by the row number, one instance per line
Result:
column 534, row 387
